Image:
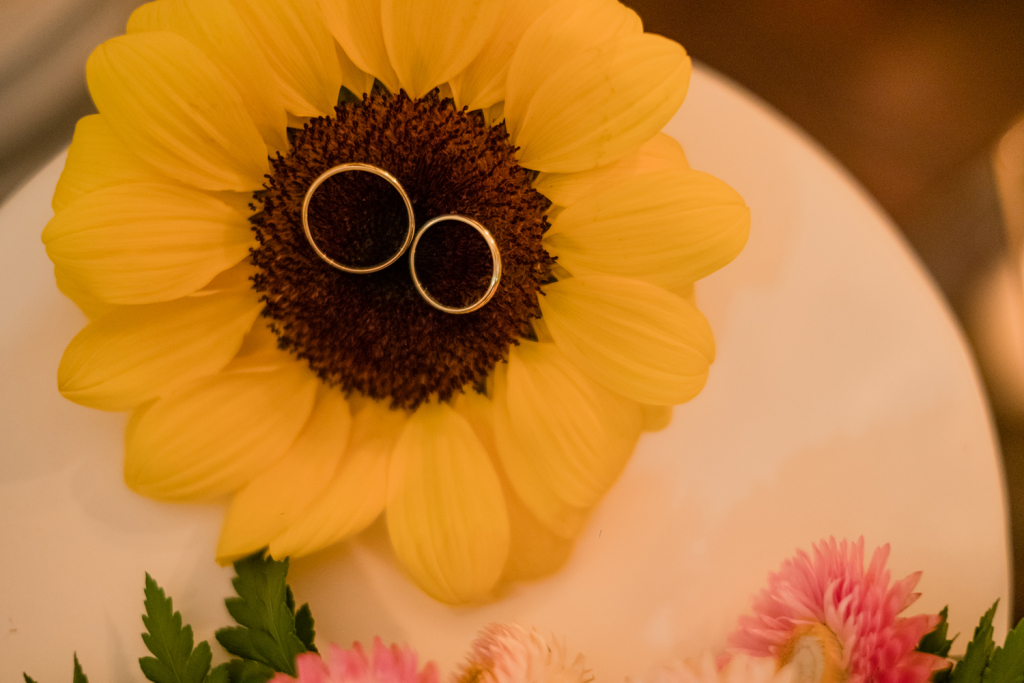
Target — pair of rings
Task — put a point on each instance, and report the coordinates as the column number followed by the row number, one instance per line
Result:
column 411, row 241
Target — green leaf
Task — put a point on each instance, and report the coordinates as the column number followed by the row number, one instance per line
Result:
column 1007, row 664
column 240, row 671
column 979, row 650
column 28, row 679
column 289, row 598
column 935, row 642
column 174, row 660
column 245, row 671
column 267, row 633
column 303, row 622
column 218, row 674
column 79, row 675
column 239, row 641
column 304, row 627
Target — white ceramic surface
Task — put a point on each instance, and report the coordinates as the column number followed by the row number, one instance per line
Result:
column 843, row 401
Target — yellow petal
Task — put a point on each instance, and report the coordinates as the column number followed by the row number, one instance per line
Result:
column 136, row 353
column 143, row 243
column 356, row 25
column 169, row 104
column 355, row 495
column 217, row 433
column 572, row 436
column 578, row 433
column 429, row 41
column 446, row 513
column 599, row 105
column 656, row 418
column 239, row 276
column 534, row 550
column 86, row 302
column 660, row 153
column 215, row 28
column 478, row 410
column 259, row 349
column 565, row 30
column 97, row 158
column 494, row 114
column 688, row 292
column 561, row 519
column 300, row 50
column 636, row 339
column 667, row 228
column 482, row 83
column 352, row 77
column 273, row 500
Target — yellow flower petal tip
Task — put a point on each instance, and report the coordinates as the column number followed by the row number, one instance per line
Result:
column 276, row 499
column 535, row 551
column 600, row 105
column 581, row 433
column 169, row 103
column 216, row 28
column 215, row 434
column 97, row 158
column 635, row 338
column 446, row 513
column 656, row 418
column 140, row 243
column 134, row 354
column 668, row 227
column 660, row 153
column 355, row 496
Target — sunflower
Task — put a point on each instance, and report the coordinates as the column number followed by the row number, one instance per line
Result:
column 318, row 399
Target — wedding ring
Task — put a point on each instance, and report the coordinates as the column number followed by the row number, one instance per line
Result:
column 367, row 168
column 495, row 264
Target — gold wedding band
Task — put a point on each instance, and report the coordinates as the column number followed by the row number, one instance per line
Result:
column 367, row 168
column 495, row 264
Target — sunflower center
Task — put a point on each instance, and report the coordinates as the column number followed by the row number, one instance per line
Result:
column 374, row 333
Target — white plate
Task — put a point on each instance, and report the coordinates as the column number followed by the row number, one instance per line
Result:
column 843, row 402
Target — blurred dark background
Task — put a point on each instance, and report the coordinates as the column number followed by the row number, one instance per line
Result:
column 917, row 99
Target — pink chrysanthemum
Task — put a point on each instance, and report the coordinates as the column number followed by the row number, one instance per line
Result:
column 837, row 622
column 387, row 665
column 509, row 653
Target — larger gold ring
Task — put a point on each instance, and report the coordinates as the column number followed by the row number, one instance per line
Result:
column 367, row 168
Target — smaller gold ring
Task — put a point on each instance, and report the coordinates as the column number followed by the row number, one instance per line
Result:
column 368, row 168
column 492, row 287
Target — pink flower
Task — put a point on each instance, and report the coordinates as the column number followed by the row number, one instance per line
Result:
column 388, row 665
column 836, row 622
column 508, row 653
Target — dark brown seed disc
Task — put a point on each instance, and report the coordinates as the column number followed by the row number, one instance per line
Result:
column 373, row 333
